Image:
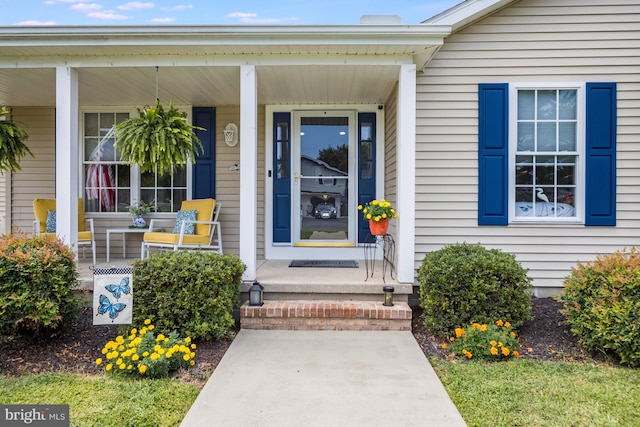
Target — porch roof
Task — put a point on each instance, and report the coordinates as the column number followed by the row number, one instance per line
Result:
column 333, row 64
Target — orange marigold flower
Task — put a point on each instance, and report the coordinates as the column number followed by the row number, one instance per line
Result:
column 513, row 334
column 452, row 339
column 516, row 353
column 494, row 351
column 499, row 323
column 483, row 328
column 505, row 351
column 507, row 324
column 444, row 345
column 459, row 332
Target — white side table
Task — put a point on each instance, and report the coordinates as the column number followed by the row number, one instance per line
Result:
column 124, row 232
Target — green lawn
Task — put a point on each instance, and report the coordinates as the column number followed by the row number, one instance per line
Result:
column 105, row 400
column 511, row 393
column 528, row 393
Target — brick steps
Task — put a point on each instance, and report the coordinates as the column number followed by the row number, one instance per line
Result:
column 335, row 315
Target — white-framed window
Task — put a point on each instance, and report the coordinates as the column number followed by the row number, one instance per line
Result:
column 546, row 146
column 110, row 185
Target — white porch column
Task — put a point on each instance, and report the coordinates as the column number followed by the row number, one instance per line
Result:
column 406, row 154
column 248, row 140
column 67, row 154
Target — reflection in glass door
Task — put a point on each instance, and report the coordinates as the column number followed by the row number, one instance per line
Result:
column 322, row 185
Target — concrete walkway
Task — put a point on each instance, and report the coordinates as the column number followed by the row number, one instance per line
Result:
column 323, row 378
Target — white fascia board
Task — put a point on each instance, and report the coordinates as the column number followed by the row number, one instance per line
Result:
column 417, row 35
column 466, row 12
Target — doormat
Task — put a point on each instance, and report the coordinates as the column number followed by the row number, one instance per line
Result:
column 323, row 263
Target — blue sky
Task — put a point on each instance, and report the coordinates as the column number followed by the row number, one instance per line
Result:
column 213, row 12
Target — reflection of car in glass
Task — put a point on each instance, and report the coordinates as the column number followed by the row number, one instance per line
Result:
column 325, row 210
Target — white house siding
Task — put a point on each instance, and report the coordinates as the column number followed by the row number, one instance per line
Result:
column 228, row 182
column 530, row 41
column 390, row 155
column 37, row 177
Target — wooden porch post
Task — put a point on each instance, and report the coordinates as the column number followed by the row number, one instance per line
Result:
column 406, row 149
column 67, row 155
column 248, row 169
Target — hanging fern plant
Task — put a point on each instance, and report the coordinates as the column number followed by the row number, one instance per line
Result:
column 158, row 139
column 12, row 146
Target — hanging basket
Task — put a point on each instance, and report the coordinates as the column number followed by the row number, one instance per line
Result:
column 378, row 228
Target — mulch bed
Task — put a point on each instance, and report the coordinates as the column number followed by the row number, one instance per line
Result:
column 546, row 337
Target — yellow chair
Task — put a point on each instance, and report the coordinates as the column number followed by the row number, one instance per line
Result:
column 206, row 229
column 41, row 208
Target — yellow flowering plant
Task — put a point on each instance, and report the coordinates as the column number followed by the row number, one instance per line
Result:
column 144, row 353
column 493, row 341
column 378, row 210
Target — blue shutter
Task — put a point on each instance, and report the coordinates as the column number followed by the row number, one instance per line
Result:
column 204, row 169
column 366, row 168
column 493, row 144
column 281, row 177
column 600, row 190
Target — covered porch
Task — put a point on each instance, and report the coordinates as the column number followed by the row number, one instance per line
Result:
column 246, row 74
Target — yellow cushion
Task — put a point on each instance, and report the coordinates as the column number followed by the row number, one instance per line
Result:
column 204, row 212
column 42, row 206
column 83, row 236
column 171, row 238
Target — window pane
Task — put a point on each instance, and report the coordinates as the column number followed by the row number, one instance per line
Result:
column 526, row 105
column 524, row 170
column 164, row 202
column 91, row 124
column 524, row 194
column 547, row 105
column 365, row 132
column 567, row 136
column 566, row 195
column 164, row 180
column 180, row 177
column 147, row 179
column 546, row 137
column 526, row 137
column 568, row 108
column 90, row 147
column 123, row 175
column 178, row 197
column 566, row 175
column 124, row 198
column 545, row 169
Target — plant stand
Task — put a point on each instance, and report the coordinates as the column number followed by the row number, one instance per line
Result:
column 387, row 245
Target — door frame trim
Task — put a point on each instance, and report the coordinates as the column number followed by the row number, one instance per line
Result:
column 287, row 250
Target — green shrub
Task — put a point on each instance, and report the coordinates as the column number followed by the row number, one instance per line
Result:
column 602, row 304
column 493, row 341
column 191, row 292
column 38, row 279
column 465, row 283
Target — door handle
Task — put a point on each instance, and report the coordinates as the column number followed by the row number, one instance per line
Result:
column 297, row 176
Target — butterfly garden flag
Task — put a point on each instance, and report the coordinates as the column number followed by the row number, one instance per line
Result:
column 112, row 296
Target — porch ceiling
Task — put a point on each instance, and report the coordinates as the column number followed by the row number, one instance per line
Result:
column 135, row 86
column 200, row 65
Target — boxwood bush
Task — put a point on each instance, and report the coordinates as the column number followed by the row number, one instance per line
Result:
column 464, row 283
column 38, row 280
column 602, row 304
column 191, row 292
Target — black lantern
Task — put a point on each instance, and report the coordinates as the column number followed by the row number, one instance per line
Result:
column 388, row 296
column 255, row 294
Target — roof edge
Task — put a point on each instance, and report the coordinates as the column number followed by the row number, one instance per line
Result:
column 466, row 12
